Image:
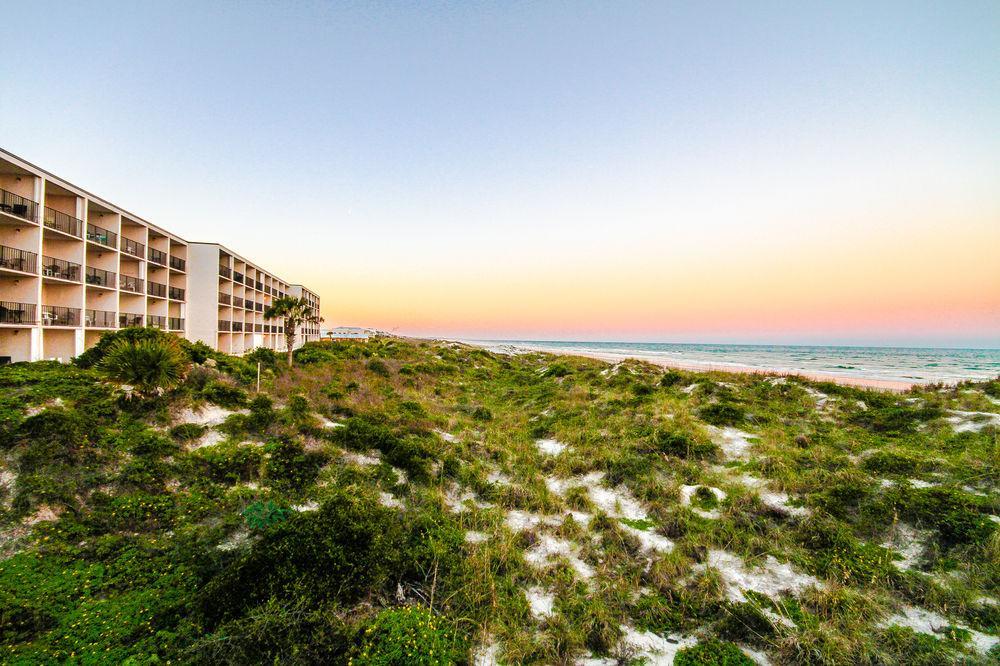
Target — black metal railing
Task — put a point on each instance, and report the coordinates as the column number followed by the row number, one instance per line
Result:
column 248, row 305
column 100, row 278
column 127, row 319
column 156, row 321
column 156, row 289
column 259, row 307
column 260, row 286
column 99, row 319
column 18, row 206
column 225, row 299
column 238, row 326
column 258, row 328
column 129, row 283
column 12, row 312
column 175, row 294
column 157, row 256
column 101, row 236
column 18, row 260
column 135, row 248
column 63, row 222
column 60, row 268
column 177, row 263
column 238, row 277
column 225, row 272
column 57, row 315
column 175, row 324
column 225, row 325
column 237, row 302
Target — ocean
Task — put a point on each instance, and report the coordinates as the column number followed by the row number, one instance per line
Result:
column 890, row 364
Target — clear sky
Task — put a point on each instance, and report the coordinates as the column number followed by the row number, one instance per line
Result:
column 692, row 172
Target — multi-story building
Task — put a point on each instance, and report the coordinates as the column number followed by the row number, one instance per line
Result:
column 308, row 332
column 74, row 266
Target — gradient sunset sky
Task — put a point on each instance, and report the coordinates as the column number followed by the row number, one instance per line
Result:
column 679, row 172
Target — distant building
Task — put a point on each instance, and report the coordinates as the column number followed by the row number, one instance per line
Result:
column 347, row 333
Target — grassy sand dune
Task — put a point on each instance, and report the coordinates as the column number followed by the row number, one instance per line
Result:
column 409, row 501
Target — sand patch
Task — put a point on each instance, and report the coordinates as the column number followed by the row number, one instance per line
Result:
column 371, row 458
column 550, row 447
column 908, row 542
column 540, row 602
column 972, row 421
column 486, row 654
column 929, row 622
column 387, row 500
column 687, row 493
column 549, row 548
column 472, row 536
column 448, row 437
column 646, row 647
column 208, row 415
column 305, row 508
column 773, row 578
column 734, row 442
column 460, row 501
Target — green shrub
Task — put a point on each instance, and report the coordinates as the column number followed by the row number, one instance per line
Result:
column 557, row 370
column 289, row 466
column 671, row 378
column 379, row 368
column 722, row 414
column 838, row 555
column 224, row 395
column 188, row 432
column 310, row 354
column 261, row 515
column 955, row 515
column 683, row 445
column 895, row 419
column 712, row 653
column 409, row 635
column 482, row 414
column 345, row 551
column 93, row 357
column 149, row 365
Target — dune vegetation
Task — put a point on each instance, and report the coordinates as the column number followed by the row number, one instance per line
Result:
column 418, row 502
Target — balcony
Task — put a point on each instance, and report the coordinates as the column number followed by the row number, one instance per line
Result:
column 258, row 328
column 100, row 278
column 135, row 248
column 259, row 286
column 12, row 259
column 53, row 219
column 225, row 325
column 125, row 320
column 259, row 307
column 101, row 236
column 237, row 302
column 15, row 313
column 156, row 321
column 238, row 277
column 175, row 294
column 157, row 257
column 248, row 305
column 18, row 206
column 129, row 283
column 237, row 327
column 225, row 272
column 225, row 299
column 175, row 324
column 99, row 319
column 177, row 263
column 156, row 289
column 60, row 269
column 56, row 315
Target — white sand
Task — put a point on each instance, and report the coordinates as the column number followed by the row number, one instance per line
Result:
column 972, row 421
column 734, row 442
column 929, row 622
column 208, row 415
column 475, row 537
column 540, row 602
column 387, row 500
column 448, row 437
column 772, row 578
column 371, row 458
column 549, row 548
column 308, row 506
column 550, row 447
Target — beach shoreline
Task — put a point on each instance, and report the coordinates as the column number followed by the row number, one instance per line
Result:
column 895, row 386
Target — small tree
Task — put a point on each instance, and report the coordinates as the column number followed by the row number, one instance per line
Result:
column 294, row 312
column 149, row 365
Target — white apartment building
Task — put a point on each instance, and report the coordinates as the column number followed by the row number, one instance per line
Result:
column 74, row 266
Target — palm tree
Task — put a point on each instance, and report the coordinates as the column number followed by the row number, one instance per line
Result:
column 149, row 365
column 294, row 311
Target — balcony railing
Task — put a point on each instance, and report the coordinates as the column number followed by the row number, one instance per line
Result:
column 238, row 277
column 225, row 272
column 57, row 315
column 101, row 236
column 18, row 206
column 100, row 278
column 63, row 222
column 225, row 325
column 237, row 302
column 126, row 319
column 177, row 263
column 259, row 307
column 157, row 256
column 259, row 285
column 129, row 283
column 237, row 327
column 99, row 319
column 258, row 328
column 175, row 294
column 12, row 312
column 175, row 324
column 156, row 321
column 135, row 248
column 18, row 260
column 60, row 268
column 156, row 289
column 225, row 299
column 248, row 305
